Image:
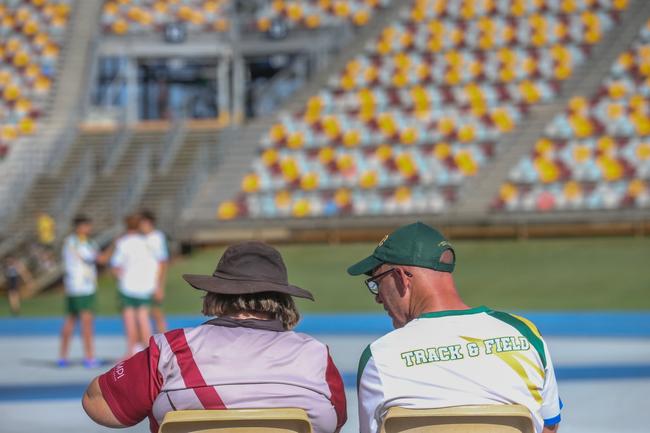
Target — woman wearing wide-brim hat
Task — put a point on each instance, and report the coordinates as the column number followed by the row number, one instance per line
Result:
column 245, row 357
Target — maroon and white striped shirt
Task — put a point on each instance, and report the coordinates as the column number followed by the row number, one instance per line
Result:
column 227, row 364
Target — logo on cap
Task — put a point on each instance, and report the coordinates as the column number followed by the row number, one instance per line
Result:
column 381, row 242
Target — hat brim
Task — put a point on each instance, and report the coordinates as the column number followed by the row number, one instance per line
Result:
column 229, row 286
column 365, row 266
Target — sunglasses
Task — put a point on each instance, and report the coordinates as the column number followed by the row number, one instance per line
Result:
column 372, row 283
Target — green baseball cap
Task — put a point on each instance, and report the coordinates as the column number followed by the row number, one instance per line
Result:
column 413, row 245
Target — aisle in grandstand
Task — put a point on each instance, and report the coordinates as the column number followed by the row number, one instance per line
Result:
column 595, row 155
column 31, row 37
column 601, row 361
column 422, row 109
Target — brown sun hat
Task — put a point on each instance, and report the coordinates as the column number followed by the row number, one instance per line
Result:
column 248, row 267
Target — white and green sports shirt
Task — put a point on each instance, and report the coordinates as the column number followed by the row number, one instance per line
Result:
column 457, row 358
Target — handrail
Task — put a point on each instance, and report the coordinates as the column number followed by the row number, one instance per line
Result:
column 116, row 147
column 74, row 189
column 197, row 174
column 173, row 143
column 62, row 146
column 135, row 184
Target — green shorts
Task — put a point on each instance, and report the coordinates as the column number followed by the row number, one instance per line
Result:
column 130, row 301
column 77, row 304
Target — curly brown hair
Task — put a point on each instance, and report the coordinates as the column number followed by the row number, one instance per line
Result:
column 279, row 306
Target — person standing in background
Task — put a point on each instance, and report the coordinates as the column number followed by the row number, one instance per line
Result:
column 15, row 273
column 46, row 231
column 80, row 257
column 157, row 244
column 137, row 271
column 46, row 227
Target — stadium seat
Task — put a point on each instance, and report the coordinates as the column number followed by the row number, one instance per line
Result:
column 290, row 420
column 477, row 419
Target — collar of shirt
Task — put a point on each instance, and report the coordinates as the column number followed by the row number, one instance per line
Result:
column 265, row 325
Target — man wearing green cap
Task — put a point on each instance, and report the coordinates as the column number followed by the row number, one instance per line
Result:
column 443, row 353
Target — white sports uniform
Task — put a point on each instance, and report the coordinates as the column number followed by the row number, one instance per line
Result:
column 139, row 267
column 457, row 358
column 79, row 256
column 158, row 245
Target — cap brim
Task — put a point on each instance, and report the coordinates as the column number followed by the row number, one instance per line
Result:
column 365, row 266
column 216, row 284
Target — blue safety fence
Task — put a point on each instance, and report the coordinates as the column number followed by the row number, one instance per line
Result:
column 575, row 373
column 566, row 323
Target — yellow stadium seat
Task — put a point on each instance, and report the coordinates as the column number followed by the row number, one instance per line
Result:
column 572, row 190
column 250, row 183
column 351, row 138
column 466, row 163
column 637, row 187
column 383, row 152
column 11, row 93
column 402, row 194
column 283, row 199
column 312, row 21
column 309, row 181
column 477, row 419
column 26, row 126
column 368, row 179
column 263, row 24
column 120, row 27
column 294, row 12
column 226, row 211
column 42, row 84
column 342, row 8
column 110, row 9
column 221, row 25
column 301, row 208
column 342, row 197
column 442, row 151
column 508, row 192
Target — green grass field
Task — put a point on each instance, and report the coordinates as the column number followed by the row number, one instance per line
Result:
column 539, row 274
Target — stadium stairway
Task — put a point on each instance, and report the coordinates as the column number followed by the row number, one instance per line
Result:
column 177, row 176
column 117, row 191
column 51, row 186
column 477, row 194
column 240, row 146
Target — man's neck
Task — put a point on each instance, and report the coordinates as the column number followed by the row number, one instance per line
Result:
column 438, row 296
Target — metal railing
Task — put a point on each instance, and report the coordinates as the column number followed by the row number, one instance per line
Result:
column 197, row 174
column 135, row 185
column 173, row 143
column 115, row 148
column 74, row 190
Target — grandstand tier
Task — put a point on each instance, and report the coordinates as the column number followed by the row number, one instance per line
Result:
column 594, row 155
column 422, row 108
column 31, row 38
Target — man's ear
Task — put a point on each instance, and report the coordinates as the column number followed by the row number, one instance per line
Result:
column 403, row 283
